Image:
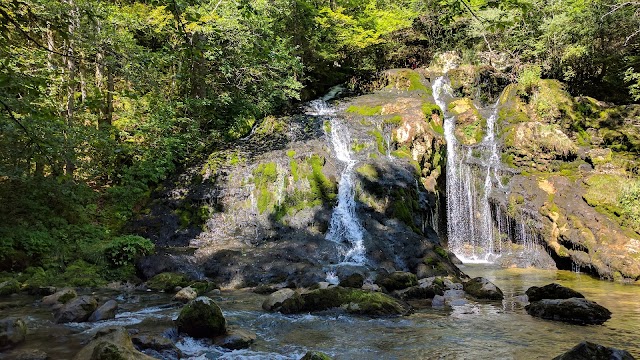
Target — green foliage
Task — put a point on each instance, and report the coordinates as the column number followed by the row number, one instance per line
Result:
column 629, row 202
column 365, row 110
column 529, row 79
column 126, row 249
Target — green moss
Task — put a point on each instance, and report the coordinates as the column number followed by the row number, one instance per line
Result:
column 271, row 125
column 368, row 171
column 395, row 120
column 441, row 252
column 355, row 301
column 202, row 318
column 429, row 108
column 439, row 129
column 364, row 110
column 379, row 141
column 291, row 154
column 321, row 187
column 294, row 169
column 167, row 281
column 315, row 355
column 327, row 127
column 402, row 153
column 264, row 175
column 415, row 83
column 82, row 274
column 358, row 146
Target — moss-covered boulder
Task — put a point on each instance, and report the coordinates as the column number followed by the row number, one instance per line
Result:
column 551, row 291
column 590, row 351
column 185, row 294
column 59, row 298
column 12, row 332
column 167, row 281
column 354, row 301
column 9, row 287
column 315, row 355
column 573, row 310
column 481, row 288
column 236, row 339
column 202, row 318
column 286, row 301
column 111, row 344
column 397, row 280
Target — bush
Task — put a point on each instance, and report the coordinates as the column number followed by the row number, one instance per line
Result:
column 529, row 79
column 125, row 249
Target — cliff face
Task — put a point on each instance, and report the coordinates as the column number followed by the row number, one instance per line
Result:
column 259, row 211
column 578, row 166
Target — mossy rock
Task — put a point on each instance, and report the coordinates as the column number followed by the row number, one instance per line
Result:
column 111, row 344
column 315, row 355
column 9, row 287
column 353, row 281
column 481, row 288
column 470, row 125
column 397, row 280
column 354, row 301
column 202, row 287
column 551, row 291
column 167, row 281
column 202, row 318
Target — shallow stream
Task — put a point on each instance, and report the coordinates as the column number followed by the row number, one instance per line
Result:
column 473, row 331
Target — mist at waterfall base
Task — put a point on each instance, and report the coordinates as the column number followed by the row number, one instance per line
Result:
column 477, row 230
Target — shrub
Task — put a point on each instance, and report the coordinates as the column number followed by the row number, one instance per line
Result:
column 125, row 249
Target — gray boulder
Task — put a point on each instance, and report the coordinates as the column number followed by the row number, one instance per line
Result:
column 186, row 294
column 111, row 343
column 590, row 351
column 283, row 300
column 77, row 310
column 481, row 288
column 59, row 298
column 573, row 310
column 105, row 312
column 12, row 332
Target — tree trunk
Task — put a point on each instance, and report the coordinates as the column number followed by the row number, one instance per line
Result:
column 70, row 166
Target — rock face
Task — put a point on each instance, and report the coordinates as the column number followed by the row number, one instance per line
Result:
column 202, row 318
column 481, row 288
column 355, row 301
column 572, row 310
column 12, row 332
column 551, row 291
column 590, row 351
column 258, row 212
column 76, row 310
column 105, row 311
column 111, row 343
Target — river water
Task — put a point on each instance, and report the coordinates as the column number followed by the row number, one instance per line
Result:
column 473, row 331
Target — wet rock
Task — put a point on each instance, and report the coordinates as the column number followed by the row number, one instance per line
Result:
column 355, row 301
column 265, row 289
column 111, row 343
column 438, row 301
column 236, row 339
column 315, row 355
column 353, row 281
column 450, row 285
column 9, row 287
column 77, row 310
column 41, row 290
column 202, row 318
column 59, row 298
column 32, row 354
column 422, row 291
column 551, row 291
column 185, row 295
column 397, row 280
column 12, row 332
column 589, row 351
column 481, row 288
column 105, row 311
column 572, row 310
column 156, row 346
column 284, row 300
column 152, row 265
column 455, row 297
column 167, row 281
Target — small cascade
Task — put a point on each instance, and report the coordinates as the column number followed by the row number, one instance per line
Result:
column 344, row 227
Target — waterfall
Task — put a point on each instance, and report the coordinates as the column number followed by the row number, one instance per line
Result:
column 470, row 227
column 344, row 227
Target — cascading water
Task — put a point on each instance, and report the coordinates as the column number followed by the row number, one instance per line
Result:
column 469, row 220
column 344, row 226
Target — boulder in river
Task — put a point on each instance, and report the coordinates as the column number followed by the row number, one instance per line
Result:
column 30, row 354
column 284, row 300
column 353, row 281
column 202, row 318
column 355, row 301
column 157, row 346
column 481, row 288
column 59, row 298
column 111, row 343
column 397, row 280
column 12, row 332
column 186, row 294
column 9, row 287
column 167, row 281
column 589, row 351
column 551, row 291
column 105, row 311
column 573, row 310
column 77, row 310
column 236, row 339
column 315, row 355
